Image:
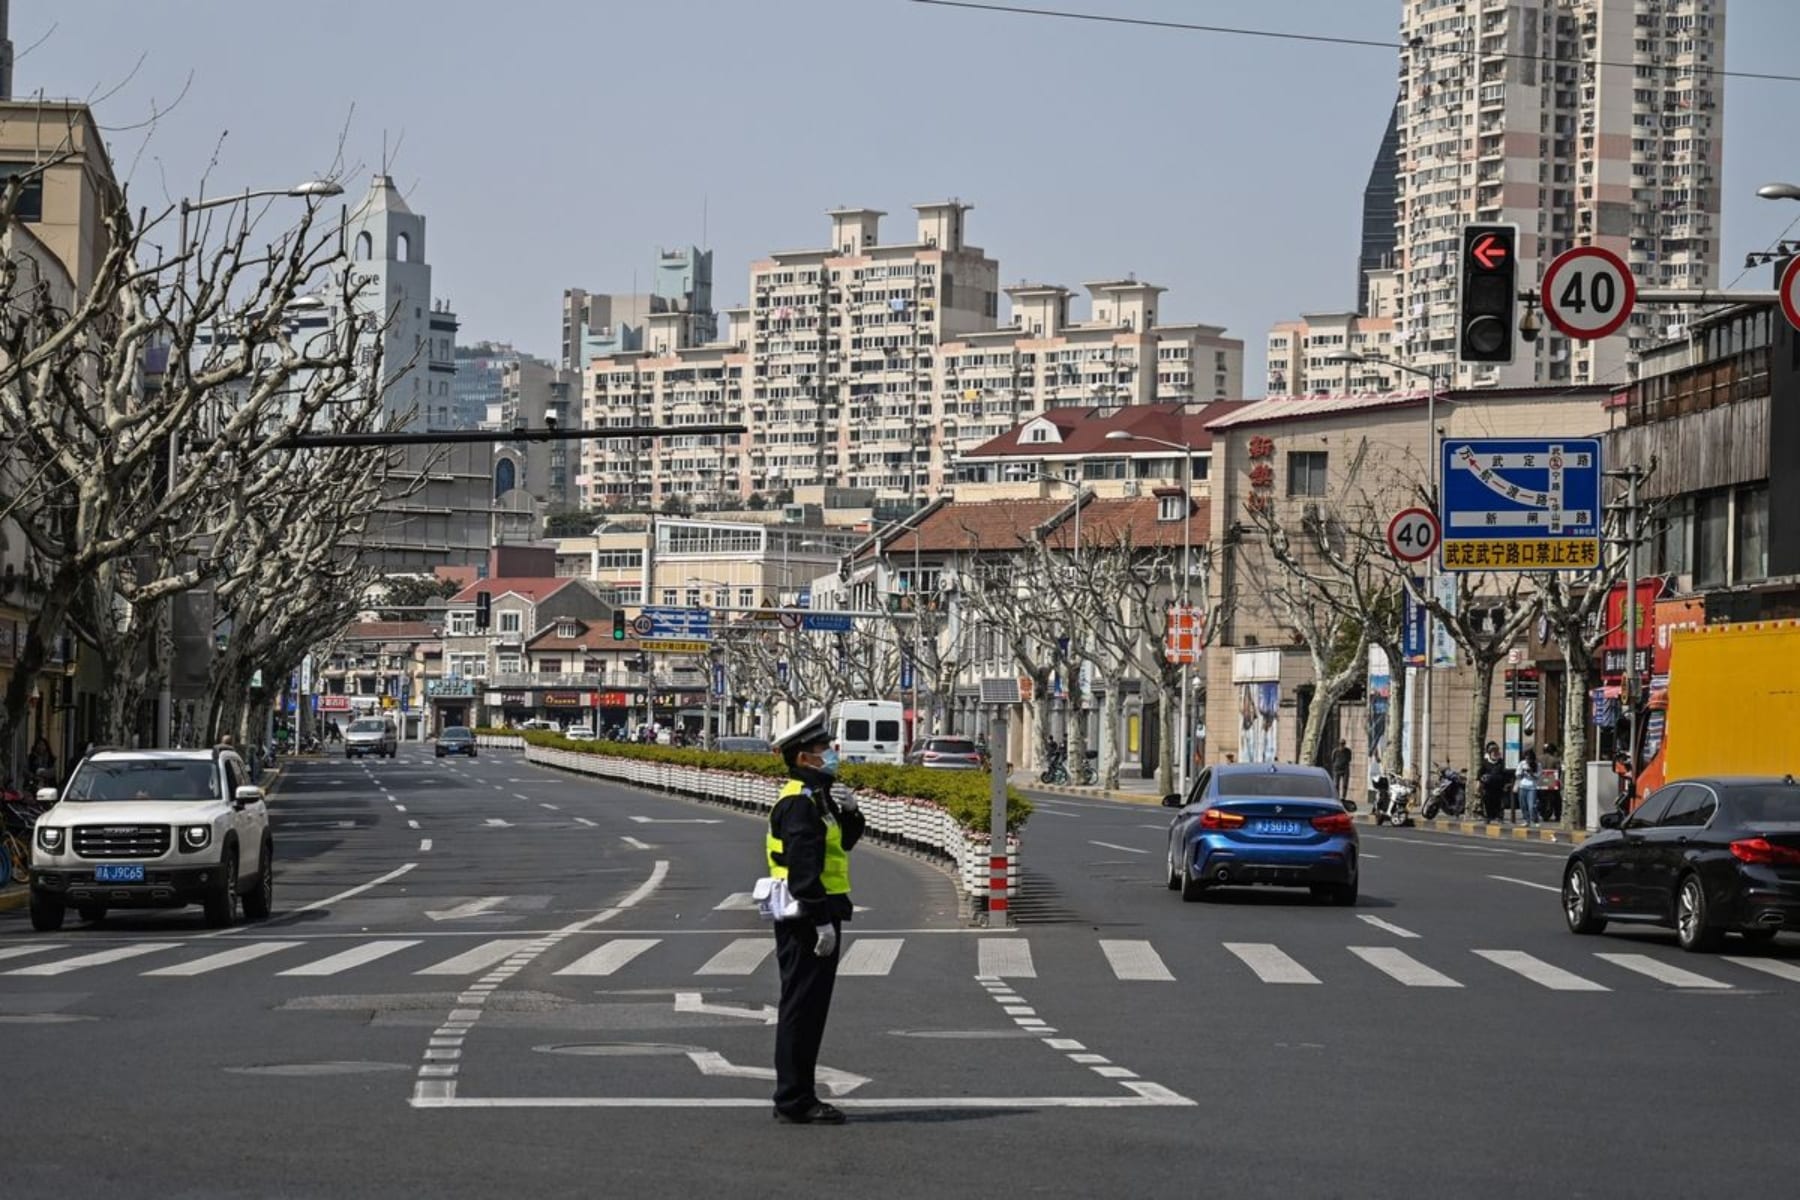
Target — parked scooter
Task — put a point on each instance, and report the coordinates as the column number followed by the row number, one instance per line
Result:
column 1391, row 798
column 1449, row 796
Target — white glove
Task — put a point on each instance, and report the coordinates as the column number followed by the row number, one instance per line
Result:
column 826, row 946
column 844, row 797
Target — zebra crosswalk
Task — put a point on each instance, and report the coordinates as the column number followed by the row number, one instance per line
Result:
column 1136, row 963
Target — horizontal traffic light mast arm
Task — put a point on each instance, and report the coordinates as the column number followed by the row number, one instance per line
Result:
column 1690, row 296
column 447, row 437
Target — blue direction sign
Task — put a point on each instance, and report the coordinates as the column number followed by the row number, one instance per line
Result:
column 695, row 623
column 826, row 622
column 1521, row 504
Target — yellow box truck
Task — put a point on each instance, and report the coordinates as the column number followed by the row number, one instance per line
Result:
column 1732, row 705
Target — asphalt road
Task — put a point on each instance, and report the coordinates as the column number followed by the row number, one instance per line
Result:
column 489, row 976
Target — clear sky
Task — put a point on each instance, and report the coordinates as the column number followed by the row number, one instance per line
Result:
column 556, row 143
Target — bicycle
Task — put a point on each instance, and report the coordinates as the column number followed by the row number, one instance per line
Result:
column 18, row 818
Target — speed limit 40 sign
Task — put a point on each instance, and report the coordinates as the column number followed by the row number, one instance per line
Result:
column 1588, row 292
column 1413, row 534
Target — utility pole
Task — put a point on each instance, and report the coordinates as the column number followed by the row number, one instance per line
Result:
column 1632, row 518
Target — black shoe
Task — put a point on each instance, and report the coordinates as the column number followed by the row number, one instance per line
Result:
column 819, row 1114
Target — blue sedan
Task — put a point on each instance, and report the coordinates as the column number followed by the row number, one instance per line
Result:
column 1249, row 823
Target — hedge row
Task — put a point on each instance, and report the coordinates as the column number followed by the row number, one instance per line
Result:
column 964, row 794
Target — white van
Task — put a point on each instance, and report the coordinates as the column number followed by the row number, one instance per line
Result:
column 869, row 731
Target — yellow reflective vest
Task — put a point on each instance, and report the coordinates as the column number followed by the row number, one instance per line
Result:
column 836, row 872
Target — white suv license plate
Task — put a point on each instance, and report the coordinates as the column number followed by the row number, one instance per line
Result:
column 119, row 873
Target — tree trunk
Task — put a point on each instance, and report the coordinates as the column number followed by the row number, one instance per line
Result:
column 1574, row 747
column 1391, row 760
column 1168, row 715
column 1479, row 711
column 46, row 624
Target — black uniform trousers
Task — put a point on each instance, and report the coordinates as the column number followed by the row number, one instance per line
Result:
column 806, row 986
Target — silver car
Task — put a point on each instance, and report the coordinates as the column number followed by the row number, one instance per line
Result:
column 370, row 735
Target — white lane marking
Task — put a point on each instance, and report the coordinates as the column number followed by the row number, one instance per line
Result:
column 1051, row 812
column 870, row 956
column 551, row 807
column 588, row 823
column 610, row 956
column 679, row 820
column 424, row 845
column 1116, row 846
column 1403, row 967
column 1378, row 923
column 399, row 808
column 1772, row 966
column 442, row 1094
column 1004, row 958
column 637, row 895
column 711, row 1062
column 1541, row 972
column 736, row 902
column 1135, row 960
column 498, row 823
column 741, row 957
column 225, row 958
column 22, row 951
column 1542, row 887
column 63, row 966
column 1663, row 972
column 410, row 824
column 470, row 962
column 691, row 1002
column 356, row 956
column 469, row 908
column 1271, row 964
column 1165, row 829
column 634, row 843
column 358, row 890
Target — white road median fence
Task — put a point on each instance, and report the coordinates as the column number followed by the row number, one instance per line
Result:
column 918, row 825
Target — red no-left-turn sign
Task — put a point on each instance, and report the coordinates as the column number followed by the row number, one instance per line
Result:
column 1588, row 292
column 1413, row 534
column 1790, row 292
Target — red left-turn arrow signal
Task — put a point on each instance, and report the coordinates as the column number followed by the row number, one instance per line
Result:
column 1489, row 251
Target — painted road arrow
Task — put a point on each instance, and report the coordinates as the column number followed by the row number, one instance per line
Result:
column 1487, row 253
column 711, row 1062
column 690, row 1002
column 471, row 908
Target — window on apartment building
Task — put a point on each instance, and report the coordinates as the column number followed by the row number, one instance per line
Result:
column 462, row 624
column 1751, row 554
column 1169, row 508
column 746, row 597
column 507, row 664
column 550, row 666
column 1712, row 534
column 1306, row 473
column 567, row 629
column 670, row 597
column 510, row 621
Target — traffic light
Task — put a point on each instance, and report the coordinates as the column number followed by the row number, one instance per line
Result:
column 618, row 624
column 484, row 610
column 1485, row 321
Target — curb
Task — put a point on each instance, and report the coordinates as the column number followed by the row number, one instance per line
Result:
column 1121, row 797
column 1483, row 829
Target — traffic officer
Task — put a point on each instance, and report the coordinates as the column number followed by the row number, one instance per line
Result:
column 810, row 835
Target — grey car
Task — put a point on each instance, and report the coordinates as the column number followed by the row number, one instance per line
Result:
column 370, row 735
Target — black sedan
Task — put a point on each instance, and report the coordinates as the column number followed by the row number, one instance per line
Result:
column 1705, row 857
column 455, row 739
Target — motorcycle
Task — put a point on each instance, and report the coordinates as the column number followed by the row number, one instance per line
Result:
column 1391, row 796
column 1451, row 795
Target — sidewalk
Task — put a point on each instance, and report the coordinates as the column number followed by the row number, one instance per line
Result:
column 1131, row 789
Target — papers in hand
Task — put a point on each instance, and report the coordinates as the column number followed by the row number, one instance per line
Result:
column 773, row 900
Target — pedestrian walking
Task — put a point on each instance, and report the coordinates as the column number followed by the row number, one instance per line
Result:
column 1492, row 781
column 1526, row 785
column 40, row 763
column 1340, row 769
column 1550, row 786
column 811, row 833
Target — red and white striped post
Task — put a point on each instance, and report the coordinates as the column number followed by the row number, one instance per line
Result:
column 997, row 874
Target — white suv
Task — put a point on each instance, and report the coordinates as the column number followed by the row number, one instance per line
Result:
column 153, row 829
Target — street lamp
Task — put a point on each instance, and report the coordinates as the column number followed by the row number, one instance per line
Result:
column 1430, row 376
column 310, row 190
column 1779, row 191
column 1187, row 579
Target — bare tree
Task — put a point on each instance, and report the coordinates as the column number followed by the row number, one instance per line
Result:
column 115, row 485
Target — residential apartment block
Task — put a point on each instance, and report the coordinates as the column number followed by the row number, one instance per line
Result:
column 871, row 365
column 1302, row 353
column 1583, row 121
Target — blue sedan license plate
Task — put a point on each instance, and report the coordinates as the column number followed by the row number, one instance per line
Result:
column 1279, row 828
column 119, row 873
